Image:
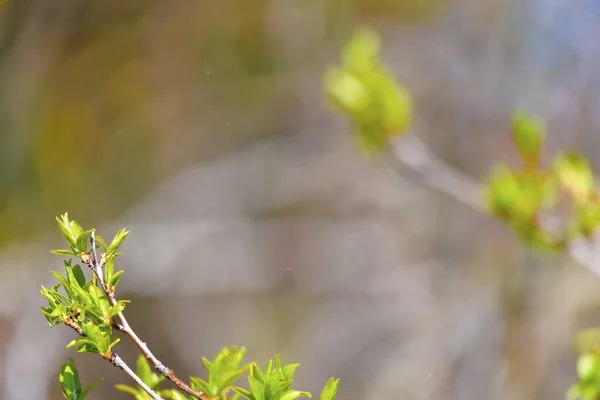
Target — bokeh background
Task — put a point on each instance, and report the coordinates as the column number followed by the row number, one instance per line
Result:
column 200, row 126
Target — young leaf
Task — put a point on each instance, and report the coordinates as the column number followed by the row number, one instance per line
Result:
column 79, row 275
column 294, row 394
column 528, row 133
column 88, row 389
column 575, row 175
column 117, row 241
column 69, row 380
column 330, row 390
column 63, row 252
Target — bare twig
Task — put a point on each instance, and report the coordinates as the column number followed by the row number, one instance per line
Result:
column 118, row 362
column 418, row 162
column 123, row 326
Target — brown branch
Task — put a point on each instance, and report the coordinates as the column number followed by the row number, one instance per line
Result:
column 123, row 326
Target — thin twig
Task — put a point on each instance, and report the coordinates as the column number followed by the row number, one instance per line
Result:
column 415, row 159
column 117, row 361
column 124, row 327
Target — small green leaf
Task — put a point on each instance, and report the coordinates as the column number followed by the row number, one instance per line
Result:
column 143, row 370
column 101, row 242
column 244, row 393
column 171, row 394
column 588, row 365
column 79, row 275
column 69, row 380
column 88, row 389
column 330, row 390
column 200, row 384
column 257, row 388
column 82, row 240
column 528, row 133
column 63, row 252
column 117, row 241
column 346, row 91
column 65, row 229
column 575, row 175
column 294, row 394
column 362, row 52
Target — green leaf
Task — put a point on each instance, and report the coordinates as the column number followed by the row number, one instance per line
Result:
column 294, row 394
column 88, row 389
column 346, row 91
column 79, row 275
column 575, row 175
column 257, row 388
column 362, row 52
column 143, row 370
column 101, row 242
column 69, row 380
column 528, row 134
column 76, row 229
column 65, row 284
column 117, row 241
column 256, row 372
column 244, row 393
column 171, row 394
column 63, row 252
column 200, row 384
column 588, row 365
column 137, row 393
column 82, row 240
column 330, row 390
column 289, row 370
column 206, row 363
column 65, row 229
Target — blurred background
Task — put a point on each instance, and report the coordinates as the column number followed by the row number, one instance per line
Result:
column 200, row 126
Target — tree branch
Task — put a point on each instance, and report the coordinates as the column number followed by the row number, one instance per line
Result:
column 97, row 267
column 117, row 362
column 421, row 165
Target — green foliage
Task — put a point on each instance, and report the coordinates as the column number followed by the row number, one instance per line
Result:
column 274, row 382
column 523, row 197
column 363, row 90
column 89, row 307
column 222, row 372
column 528, row 134
column 71, row 386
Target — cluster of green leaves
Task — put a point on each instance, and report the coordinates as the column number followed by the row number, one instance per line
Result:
column 272, row 383
column 363, row 90
column 85, row 306
column 523, row 197
column 80, row 303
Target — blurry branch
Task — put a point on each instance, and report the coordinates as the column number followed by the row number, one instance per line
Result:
column 417, row 162
column 526, row 198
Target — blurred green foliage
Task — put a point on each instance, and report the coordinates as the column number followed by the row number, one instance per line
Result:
column 524, row 197
column 363, row 90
